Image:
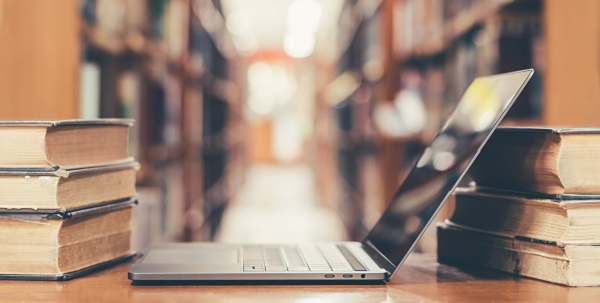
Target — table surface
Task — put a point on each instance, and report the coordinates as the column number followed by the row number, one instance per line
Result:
column 421, row 279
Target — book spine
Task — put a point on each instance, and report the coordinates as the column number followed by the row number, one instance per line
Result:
column 458, row 247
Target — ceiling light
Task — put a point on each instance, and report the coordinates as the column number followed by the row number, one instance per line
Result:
column 304, row 15
column 237, row 23
column 298, row 44
column 246, row 44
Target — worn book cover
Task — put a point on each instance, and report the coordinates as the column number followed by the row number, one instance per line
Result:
column 60, row 245
column 66, row 188
column 540, row 159
column 54, row 144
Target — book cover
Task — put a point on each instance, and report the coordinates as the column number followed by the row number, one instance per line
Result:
column 572, row 265
column 46, row 144
column 541, row 160
column 61, row 245
column 60, row 188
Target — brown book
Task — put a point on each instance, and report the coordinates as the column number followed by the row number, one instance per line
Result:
column 47, row 144
column 67, row 189
column 572, row 265
column 54, row 246
column 573, row 221
column 543, row 160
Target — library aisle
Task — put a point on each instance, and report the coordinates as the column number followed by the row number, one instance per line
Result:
column 278, row 203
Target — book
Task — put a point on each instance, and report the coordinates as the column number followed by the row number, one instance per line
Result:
column 572, row 221
column 66, row 188
column 56, row 245
column 539, row 159
column 572, row 265
column 46, row 145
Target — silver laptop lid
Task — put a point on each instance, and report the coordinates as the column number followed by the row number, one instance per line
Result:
column 442, row 165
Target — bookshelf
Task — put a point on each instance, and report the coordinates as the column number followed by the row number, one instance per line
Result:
column 345, row 137
column 444, row 45
column 169, row 64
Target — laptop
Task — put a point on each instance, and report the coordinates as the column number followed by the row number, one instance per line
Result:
column 418, row 199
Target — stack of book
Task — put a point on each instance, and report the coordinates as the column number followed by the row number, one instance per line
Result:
column 535, row 207
column 66, row 195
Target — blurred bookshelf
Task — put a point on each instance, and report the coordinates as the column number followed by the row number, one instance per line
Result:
column 410, row 60
column 170, row 65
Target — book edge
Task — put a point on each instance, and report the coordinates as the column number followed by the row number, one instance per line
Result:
column 111, row 121
column 65, row 171
column 72, row 274
column 67, row 213
column 558, row 198
column 553, row 130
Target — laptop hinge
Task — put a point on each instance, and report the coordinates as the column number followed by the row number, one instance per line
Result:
column 379, row 258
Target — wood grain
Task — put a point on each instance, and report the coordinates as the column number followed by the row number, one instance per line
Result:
column 420, row 280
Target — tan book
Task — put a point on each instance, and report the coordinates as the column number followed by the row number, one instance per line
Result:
column 67, row 189
column 572, row 265
column 543, row 160
column 47, row 144
column 573, row 221
column 62, row 245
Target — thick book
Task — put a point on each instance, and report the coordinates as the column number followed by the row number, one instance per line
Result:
column 62, row 245
column 542, row 160
column 66, row 188
column 572, row 265
column 46, row 145
column 564, row 221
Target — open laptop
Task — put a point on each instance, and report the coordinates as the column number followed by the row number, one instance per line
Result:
column 380, row 254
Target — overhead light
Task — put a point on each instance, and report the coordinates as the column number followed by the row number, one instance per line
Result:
column 304, row 14
column 237, row 23
column 298, row 44
column 302, row 22
column 246, row 44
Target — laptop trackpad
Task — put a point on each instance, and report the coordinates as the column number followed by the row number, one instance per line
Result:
column 193, row 259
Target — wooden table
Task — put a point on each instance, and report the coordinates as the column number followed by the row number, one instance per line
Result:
column 422, row 279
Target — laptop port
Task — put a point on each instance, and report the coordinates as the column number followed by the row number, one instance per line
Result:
column 347, row 276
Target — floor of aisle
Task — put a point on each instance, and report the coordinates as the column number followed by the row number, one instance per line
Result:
column 278, row 203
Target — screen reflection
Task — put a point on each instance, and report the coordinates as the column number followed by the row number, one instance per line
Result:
column 444, row 162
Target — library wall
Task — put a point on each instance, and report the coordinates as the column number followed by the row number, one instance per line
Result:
column 572, row 87
column 39, row 59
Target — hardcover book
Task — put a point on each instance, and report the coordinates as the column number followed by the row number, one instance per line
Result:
column 565, row 221
column 46, row 145
column 66, row 188
column 572, row 265
column 540, row 159
column 61, row 245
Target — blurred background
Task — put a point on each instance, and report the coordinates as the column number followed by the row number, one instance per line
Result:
column 286, row 120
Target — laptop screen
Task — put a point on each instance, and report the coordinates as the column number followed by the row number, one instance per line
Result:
column 443, row 163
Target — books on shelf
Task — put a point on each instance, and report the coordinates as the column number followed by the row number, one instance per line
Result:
column 66, row 195
column 540, row 159
column 48, row 145
column 535, row 208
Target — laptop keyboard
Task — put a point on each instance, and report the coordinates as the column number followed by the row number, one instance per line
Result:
column 301, row 258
